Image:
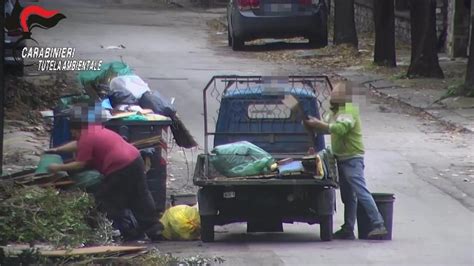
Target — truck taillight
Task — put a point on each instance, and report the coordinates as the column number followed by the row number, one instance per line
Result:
column 248, row 4
column 305, row 2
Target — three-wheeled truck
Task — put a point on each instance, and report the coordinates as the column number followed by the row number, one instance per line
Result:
column 250, row 108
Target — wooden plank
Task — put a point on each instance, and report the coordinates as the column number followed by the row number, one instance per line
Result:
column 36, row 178
column 18, row 174
column 19, row 178
column 150, row 139
column 42, row 179
column 92, row 251
column 58, row 183
column 148, row 142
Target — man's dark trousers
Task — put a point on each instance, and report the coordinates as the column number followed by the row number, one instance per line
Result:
column 127, row 189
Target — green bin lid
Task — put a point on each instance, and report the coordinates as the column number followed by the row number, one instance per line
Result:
column 45, row 161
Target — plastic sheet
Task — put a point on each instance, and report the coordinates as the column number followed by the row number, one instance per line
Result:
column 241, row 159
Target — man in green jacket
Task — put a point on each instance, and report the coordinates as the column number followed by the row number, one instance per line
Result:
column 343, row 123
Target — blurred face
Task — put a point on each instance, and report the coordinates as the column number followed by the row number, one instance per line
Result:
column 339, row 96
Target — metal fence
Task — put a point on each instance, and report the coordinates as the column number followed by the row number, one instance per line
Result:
column 263, row 111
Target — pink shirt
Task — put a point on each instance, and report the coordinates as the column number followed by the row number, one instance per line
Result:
column 104, row 150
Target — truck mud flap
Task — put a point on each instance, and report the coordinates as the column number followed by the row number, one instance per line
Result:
column 326, row 201
column 206, row 201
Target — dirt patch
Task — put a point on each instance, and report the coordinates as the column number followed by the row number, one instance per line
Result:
column 23, row 145
column 329, row 57
column 181, row 164
column 332, row 57
column 217, row 24
column 26, row 134
column 26, row 96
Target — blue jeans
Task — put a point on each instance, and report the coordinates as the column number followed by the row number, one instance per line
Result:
column 353, row 189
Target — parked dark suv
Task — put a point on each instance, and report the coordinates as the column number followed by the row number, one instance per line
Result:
column 254, row 19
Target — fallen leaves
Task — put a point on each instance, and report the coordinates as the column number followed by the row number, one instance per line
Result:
column 218, row 24
column 333, row 56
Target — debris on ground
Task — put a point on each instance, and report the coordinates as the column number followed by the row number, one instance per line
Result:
column 155, row 257
column 45, row 215
column 45, row 226
column 218, row 24
column 113, row 47
column 331, row 57
column 107, row 256
column 26, row 96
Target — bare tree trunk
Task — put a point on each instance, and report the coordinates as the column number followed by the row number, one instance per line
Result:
column 328, row 5
column 469, row 81
column 424, row 54
column 2, row 96
column 444, row 32
column 344, row 25
column 384, row 20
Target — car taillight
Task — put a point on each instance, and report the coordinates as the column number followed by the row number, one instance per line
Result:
column 248, row 4
column 305, row 2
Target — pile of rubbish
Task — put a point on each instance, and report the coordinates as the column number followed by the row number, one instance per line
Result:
column 64, row 219
column 44, row 221
column 107, row 255
column 244, row 159
column 125, row 95
column 32, row 194
column 45, row 227
column 48, row 225
column 54, row 215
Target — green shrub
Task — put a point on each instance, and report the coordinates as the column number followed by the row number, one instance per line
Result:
column 63, row 219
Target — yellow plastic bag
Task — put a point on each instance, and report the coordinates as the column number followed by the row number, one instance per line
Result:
column 181, row 222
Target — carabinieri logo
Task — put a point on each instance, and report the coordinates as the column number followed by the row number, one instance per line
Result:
column 25, row 19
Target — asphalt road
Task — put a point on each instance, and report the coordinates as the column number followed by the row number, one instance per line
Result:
column 413, row 158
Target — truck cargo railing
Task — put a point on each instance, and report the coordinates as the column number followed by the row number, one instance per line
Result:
column 261, row 114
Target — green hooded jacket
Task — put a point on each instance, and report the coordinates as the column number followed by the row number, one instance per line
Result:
column 346, row 132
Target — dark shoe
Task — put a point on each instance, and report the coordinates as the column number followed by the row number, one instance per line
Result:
column 154, row 232
column 377, row 233
column 344, row 234
column 155, row 237
column 132, row 235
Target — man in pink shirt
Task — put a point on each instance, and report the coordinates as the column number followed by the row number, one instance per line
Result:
column 124, row 186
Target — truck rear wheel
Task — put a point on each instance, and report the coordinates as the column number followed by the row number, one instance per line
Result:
column 325, row 227
column 207, row 228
